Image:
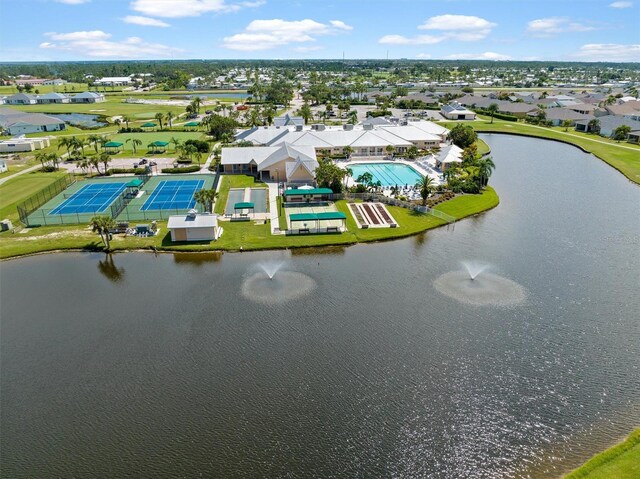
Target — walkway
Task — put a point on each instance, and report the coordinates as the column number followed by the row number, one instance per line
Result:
column 273, row 208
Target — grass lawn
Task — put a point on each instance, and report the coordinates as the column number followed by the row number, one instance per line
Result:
column 247, row 235
column 622, row 156
column 68, row 88
column 22, row 187
column 111, row 107
column 620, row 462
column 483, row 148
column 148, row 137
column 233, row 181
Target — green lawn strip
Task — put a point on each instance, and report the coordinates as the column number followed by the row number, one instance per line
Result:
column 66, row 89
column 243, row 235
column 622, row 156
column 621, row 462
column 22, row 187
column 282, row 217
column 111, row 107
column 483, row 148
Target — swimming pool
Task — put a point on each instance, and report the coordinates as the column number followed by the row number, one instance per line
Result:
column 388, row 174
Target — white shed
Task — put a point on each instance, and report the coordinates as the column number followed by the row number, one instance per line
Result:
column 194, row 227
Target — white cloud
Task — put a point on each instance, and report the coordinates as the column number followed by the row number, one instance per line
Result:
column 144, row 21
column 79, row 36
column 547, row 27
column 464, row 28
column 340, row 25
column 609, row 52
column 73, row 2
column 96, row 44
column 479, row 56
column 417, row 40
column 268, row 34
column 188, row 8
column 621, row 4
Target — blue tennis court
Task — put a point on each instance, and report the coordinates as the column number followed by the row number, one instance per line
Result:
column 173, row 195
column 93, row 198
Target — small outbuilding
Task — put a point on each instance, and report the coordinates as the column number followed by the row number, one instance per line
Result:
column 194, row 227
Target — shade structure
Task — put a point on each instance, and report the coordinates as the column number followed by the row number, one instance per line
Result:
column 134, row 183
column 160, row 144
column 327, row 215
column 243, row 206
column 192, row 124
column 312, row 191
column 149, row 124
column 113, row 144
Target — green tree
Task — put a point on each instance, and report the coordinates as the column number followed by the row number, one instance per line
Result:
column 621, row 133
column 135, row 143
column 95, row 140
column 159, row 116
column 425, row 186
column 485, row 169
column 102, row 225
column 413, row 152
column 176, row 143
column 566, row 124
column 220, row 126
column 329, row 175
column 104, row 159
column 348, row 151
column 206, row 198
column 126, row 120
column 169, row 117
column 593, row 126
column 492, row 109
column 462, row 135
column 305, row 112
column 365, row 179
column 390, row 149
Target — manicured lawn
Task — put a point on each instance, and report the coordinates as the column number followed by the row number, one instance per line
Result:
column 149, row 137
column 233, row 181
column 69, row 89
column 245, row 235
column 112, row 107
column 483, row 148
column 620, row 462
column 622, row 156
column 20, row 188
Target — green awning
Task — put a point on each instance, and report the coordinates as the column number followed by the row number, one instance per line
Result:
column 113, row 144
column 311, row 191
column 243, row 206
column 331, row 215
column 134, row 183
column 303, row 217
column 160, row 143
column 148, row 125
column 192, row 123
column 325, row 216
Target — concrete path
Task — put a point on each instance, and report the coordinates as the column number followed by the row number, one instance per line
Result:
column 273, row 208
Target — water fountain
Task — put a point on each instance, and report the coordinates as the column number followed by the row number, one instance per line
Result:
column 273, row 285
column 475, row 286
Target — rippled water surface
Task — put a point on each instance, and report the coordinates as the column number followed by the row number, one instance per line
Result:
column 166, row 366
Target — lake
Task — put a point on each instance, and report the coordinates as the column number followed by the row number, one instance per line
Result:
column 363, row 361
column 81, row 119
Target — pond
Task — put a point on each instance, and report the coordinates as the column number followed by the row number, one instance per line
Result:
column 377, row 360
column 82, row 119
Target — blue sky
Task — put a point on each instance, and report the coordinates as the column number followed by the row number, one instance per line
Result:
column 587, row 30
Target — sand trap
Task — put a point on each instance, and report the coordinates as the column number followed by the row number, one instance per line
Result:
column 97, row 110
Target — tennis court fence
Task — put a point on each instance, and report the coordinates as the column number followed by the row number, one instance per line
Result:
column 35, row 201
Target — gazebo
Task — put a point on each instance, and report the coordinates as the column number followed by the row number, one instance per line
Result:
column 133, row 186
column 192, row 124
column 112, row 146
column 244, row 205
column 158, row 146
column 148, row 124
column 324, row 222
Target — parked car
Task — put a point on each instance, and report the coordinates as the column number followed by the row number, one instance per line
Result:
column 143, row 161
column 153, row 163
column 192, row 116
column 135, row 165
column 209, row 112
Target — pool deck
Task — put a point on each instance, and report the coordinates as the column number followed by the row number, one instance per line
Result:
column 413, row 164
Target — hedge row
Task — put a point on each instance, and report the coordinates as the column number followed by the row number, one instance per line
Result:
column 187, row 169
column 120, row 171
column 499, row 116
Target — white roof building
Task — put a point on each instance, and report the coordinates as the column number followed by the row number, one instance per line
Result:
column 194, row 227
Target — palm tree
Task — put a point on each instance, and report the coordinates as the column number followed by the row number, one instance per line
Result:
column 566, row 124
column 104, row 159
column 348, row 173
column 84, row 165
column 425, row 185
column 94, row 139
column 134, row 143
column 206, row 198
column 169, row 117
column 67, row 142
column 159, row 116
column 176, row 143
column 197, row 101
column 348, row 151
column 102, row 224
column 492, row 110
column 126, row 119
column 197, row 155
column 42, row 157
column 485, row 169
column 593, row 126
column 353, row 117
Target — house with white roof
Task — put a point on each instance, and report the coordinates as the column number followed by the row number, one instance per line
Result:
column 53, row 98
column 450, row 155
column 14, row 122
column 286, row 162
column 288, row 120
column 114, row 81
column 88, row 97
column 194, row 227
column 455, row 111
column 21, row 99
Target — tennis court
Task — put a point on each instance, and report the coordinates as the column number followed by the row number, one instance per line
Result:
column 92, row 198
column 173, row 195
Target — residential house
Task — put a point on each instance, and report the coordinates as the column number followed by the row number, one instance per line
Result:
column 53, row 98
column 608, row 124
column 19, row 123
column 558, row 115
column 21, row 99
column 113, row 81
column 88, row 97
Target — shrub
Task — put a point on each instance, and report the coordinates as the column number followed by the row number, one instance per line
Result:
column 186, row 169
column 130, row 130
column 201, row 145
column 120, row 171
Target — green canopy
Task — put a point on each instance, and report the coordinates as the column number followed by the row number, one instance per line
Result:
column 160, row 143
column 302, row 217
column 113, row 144
column 243, row 206
column 134, row 183
column 310, row 191
column 149, row 125
column 325, row 216
column 192, row 123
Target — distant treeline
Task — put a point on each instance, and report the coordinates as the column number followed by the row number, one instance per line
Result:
column 175, row 70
